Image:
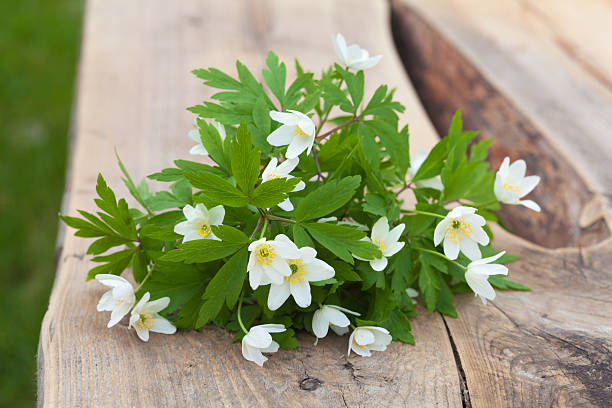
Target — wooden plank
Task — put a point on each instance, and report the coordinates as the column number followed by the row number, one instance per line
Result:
column 551, row 346
column 134, row 85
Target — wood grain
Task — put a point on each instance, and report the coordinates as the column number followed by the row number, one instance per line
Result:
column 551, row 346
column 134, row 85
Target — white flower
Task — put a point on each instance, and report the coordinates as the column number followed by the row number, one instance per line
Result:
column 258, row 340
column 366, row 338
column 199, row 220
column 331, row 316
column 145, row 317
column 461, row 230
column 357, row 225
column 353, row 56
column 387, row 241
column 119, row 300
column 477, row 275
column 415, row 164
column 272, row 171
column 305, row 268
column 194, row 135
column 268, row 262
column 297, row 131
column 511, row 184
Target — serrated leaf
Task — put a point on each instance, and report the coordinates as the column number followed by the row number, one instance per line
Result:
column 217, row 188
column 224, row 287
column 201, row 250
column 229, row 234
column 399, row 327
column 244, row 159
column 429, row 283
column 275, row 77
column 327, row 198
column 273, row 192
column 343, row 241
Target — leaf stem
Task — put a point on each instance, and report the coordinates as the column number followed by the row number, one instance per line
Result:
column 275, row 218
column 316, row 160
column 263, row 230
column 146, row 278
column 429, row 251
column 256, row 226
column 337, row 128
column 238, row 314
column 423, row 213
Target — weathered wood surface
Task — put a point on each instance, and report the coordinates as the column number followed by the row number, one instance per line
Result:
column 506, row 66
column 134, row 85
column 549, row 347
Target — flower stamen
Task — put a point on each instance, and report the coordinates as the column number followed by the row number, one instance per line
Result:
column 299, row 132
column 203, row 228
column 458, row 230
column 264, row 254
column 297, row 271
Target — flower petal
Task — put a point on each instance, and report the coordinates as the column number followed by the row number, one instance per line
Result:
column 273, row 327
column 142, row 333
column 298, row 145
column 440, row 231
column 393, row 248
column 336, row 317
column 301, row 293
column 528, row 184
column 380, row 229
column 479, row 235
column 286, row 205
column 258, row 337
column 451, row 249
column 272, row 348
column 320, row 324
column 106, row 302
column 284, row 118
column 480, row 285
column 270, row 169
column 530, row 204
column 184, row 227
column 470, row 249
column 161, row 325
column 287, row 166
column 281, row 136
column 517, row 170
column 367, row 63
column 318, row 270
column 216, row 215
column 199, row 150
column 379, row 264
column 158, row 305
column 253, row 354
column 278, row 295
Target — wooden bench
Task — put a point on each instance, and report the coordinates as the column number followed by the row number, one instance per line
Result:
column 530, row 77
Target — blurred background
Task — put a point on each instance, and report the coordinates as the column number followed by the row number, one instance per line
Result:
column 40, row 45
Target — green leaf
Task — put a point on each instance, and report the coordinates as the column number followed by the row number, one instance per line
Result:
column 506, row 284
column 201, row 250
column 327, row 198
column 374, row 204
column 401, row 273
column 275, row 77
column 217, row 188
column 129, row 183
column 224, row 287
column 273, row 192
column 244, row 159
column 396, row 143
column 212, row 142
column 114, row 263
column 301, row 237
column 432, row 166
column 429, row 283
column 105, row 243
column 177, row 281
column 229, row 234
column 398, row 326
column 343, row 241
column 334, row 96
column 355, row 85
column 445, row 300
column 344, row 271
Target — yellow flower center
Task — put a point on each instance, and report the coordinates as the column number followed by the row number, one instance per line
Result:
column 144, row 322
column 512, row 188
column 297, row 271
column 203, row 228
column 264, row 253
column 380, row 244
column 458, row 230
column 361, row 345
column 272, row 177
column 299, row 132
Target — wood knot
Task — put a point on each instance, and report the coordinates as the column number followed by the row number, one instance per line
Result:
column 310, row 384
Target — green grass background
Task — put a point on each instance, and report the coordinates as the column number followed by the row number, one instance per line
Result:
column 39, row 42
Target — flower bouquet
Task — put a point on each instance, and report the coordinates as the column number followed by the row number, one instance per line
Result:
column 299, row 221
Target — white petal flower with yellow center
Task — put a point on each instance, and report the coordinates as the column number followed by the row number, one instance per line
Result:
column 415, row 164
column 387, row 241
column 274, row 171
column 199, row 220
column 366, row 338
column 145, row 317
column 331, row 316
column 478, row 273
column 461, row 230
column 119, row 300
column 305, row 268
column 297, row 131
column 511, row 184
column 353, row 56
column 258, row 340
column 268, row 262
column 194, row 135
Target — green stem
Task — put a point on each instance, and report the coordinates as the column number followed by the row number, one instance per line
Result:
column 275, row 218
column 239, row 317
column 326, row 115
column 441, row 256
column 263, row 230
column 423, row 213
column 146, row 278
column 256, row 227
